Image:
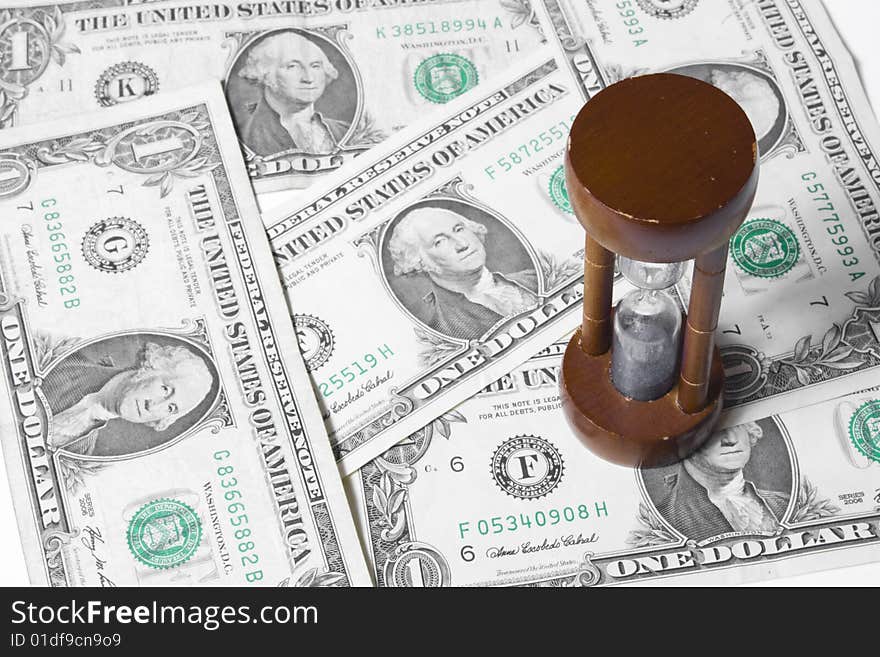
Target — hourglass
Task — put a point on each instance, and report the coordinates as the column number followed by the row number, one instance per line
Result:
column 660, row 169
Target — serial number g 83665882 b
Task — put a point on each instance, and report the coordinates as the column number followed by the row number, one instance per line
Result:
column 62, row 264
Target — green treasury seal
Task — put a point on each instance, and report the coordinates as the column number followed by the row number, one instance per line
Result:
column 864, row 430
column 164, row 533
column 440, row 78
column 558, row 190
column 765, row 248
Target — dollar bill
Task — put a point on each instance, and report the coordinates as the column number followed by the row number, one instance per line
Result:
column 801, row 306
column 310, row 83
column 432, row 265
column 155, row 427
column 800, row 320
column 499, row 492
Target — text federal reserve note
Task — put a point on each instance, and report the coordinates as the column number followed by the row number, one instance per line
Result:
column 156, row 427
column 310, row 83
column 460, row 242
column 499, row 492
column 429, row 267
column 800, row 321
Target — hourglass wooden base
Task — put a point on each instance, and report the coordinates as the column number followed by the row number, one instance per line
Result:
column 659, row 169
column 626, row 431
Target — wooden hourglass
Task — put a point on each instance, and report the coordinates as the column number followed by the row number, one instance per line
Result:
column 660, row 169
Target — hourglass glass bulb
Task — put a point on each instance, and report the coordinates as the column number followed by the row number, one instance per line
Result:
column 646, row 336
column 650, row 275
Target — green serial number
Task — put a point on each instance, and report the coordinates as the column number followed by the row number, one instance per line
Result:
column 516, row 522
column 356, row 370
column 529, row 149
column 437, row 27
column 241, row 532
column 834, row 227
column 63, row 264
column 633, row 27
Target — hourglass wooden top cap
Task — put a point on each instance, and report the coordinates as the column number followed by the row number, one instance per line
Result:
column 661, row 167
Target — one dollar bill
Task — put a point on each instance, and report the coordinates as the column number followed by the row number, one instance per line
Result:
column 800, row 319
column 428, row 268
column 310, row 84
column 156, row 427
column 499, row 492
column 801, row 310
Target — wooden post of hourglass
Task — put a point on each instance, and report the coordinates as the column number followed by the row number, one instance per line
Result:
column 599, row 279
column 660, row 169
column 702, row 320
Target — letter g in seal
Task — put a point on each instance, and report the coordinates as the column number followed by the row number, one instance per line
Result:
column 115, row 245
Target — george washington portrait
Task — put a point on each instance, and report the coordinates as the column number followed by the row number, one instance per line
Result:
column 292, row 91
column 738, row 482
column 458, row 269
column 127, row 394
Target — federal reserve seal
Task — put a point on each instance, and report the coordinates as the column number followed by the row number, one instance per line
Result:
column 765, row 248
column 667, row 8
column 124, row 82
column 440, row 78
column 315, row 340
column 558, row 190
column 164, row 533
column 115, row 245
column 527, row 467
column 416, row 564
column 864, row 430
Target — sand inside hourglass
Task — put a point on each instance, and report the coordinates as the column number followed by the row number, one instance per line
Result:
column 647, row 331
